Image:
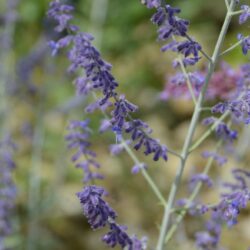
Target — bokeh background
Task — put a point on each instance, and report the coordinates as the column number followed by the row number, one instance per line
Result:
column 41, row 100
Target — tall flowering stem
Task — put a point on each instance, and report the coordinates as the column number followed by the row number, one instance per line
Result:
column 192, row 127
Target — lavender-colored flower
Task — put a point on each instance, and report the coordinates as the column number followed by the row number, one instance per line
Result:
column 239, row 108
column 78, row 139
column 117, row 236
column 200, row 178
column 117, row 148
column 138, row 167
column 188, row 48
column 122, row 110
column 245, row 15
column 97, row 211
column 62, row 14
column 139, row 244
column 105, row 125
column 98, row 76
column 151, row 3
column 151, row 146
column 193, row 208
column 208, row 240
column 222, row 130
column 221, row 160
column 245, row 43
column 237, row 198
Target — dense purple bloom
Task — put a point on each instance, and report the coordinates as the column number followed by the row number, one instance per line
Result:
column 239, row 108
column 245, row 44
column 151, row 146
column 222, row 130
column 117, row 236
column 97, row 211
column 245, row 15
column 235, row 199
column 122, row 110
column 98, row 76
column 62, row 14
column 188, row 48
column 78, row 139
column 169, row 23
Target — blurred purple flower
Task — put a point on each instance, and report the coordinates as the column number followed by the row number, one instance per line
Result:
column 205, row 179
column 245, row 43
column 245, row 15
column 221, row 160
column 78, row 139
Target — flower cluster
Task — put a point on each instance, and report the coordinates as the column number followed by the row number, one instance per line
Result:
column 176, row 86
column 99, row 214
column 222, row 130
column 7, row 187
column 227, row 210
column 98, row 77
column 170, row 27
column 221, row 160
column 78, row 139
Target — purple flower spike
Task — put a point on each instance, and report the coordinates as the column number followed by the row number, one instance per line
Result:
column 245, row 15
column 62, row 14
column 78, row 139
column 96, row 210
column 117, row 236
column 245, row 44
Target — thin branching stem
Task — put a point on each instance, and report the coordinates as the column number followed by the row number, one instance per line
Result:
column 191, row 130
column 189, row 84
column 208, row 132
column 231, row 48
column 136, row 161
column 192, row 197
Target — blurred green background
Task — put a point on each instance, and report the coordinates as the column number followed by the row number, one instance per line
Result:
column 42, row 99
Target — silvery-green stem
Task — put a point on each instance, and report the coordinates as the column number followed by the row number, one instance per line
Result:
column 192, row 127
column 136, row 161
column 231, row 48
column 191, row 198
column 189, row 84
column 208, row 132
column 98, row 16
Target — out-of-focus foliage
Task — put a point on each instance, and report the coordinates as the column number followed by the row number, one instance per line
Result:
column 42, row 100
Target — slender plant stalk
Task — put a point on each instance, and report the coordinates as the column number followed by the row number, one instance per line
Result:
column 194, row 122
column 208, row 132
column 189, row 84
column 231, row 48
column 136, row 161
column 98, row 23
column 193, row 195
